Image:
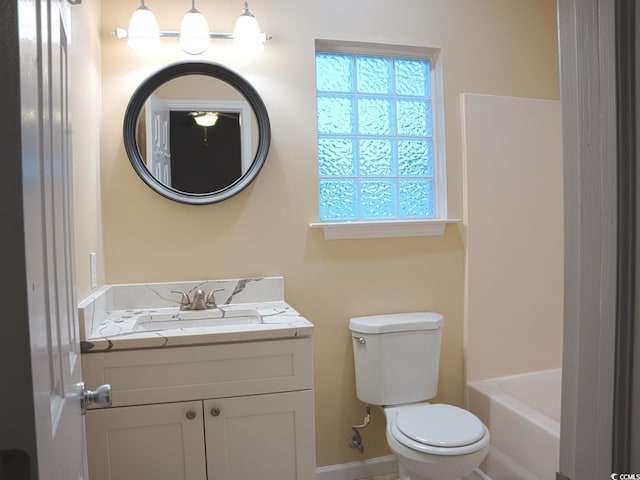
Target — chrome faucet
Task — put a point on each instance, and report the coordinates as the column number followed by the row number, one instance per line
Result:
column 198, row 302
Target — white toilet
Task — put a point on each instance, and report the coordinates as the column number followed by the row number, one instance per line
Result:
column 396, row 364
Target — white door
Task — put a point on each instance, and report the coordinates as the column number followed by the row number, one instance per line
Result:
column 48, row 238
column 158, row 157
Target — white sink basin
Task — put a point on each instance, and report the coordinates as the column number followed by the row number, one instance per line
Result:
column 197, row 319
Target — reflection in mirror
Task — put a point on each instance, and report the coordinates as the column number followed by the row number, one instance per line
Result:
column 199, row 136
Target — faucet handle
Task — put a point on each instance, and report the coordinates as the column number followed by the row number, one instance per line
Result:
column 211, row 298
column 185, row 301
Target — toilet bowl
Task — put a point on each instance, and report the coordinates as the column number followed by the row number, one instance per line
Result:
column 435, row 442
column 396, row 359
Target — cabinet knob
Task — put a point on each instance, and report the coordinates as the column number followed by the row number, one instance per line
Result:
column 191, row 414
column 215, row 411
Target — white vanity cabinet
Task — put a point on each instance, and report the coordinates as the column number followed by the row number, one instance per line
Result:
column 152, row 441
column 237, row 411
column 260, row 437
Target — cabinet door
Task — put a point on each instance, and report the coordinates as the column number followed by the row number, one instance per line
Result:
column 266, row 437
column 159, row 442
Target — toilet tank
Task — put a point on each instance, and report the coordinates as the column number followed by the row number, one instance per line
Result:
column 396, row 357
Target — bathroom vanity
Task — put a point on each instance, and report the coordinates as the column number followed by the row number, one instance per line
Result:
column 221, row 398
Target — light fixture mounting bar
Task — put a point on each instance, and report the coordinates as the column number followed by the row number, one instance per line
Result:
column 174, row 34
column 122, row 33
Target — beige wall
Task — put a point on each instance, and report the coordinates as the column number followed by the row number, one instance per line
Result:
column 514, row 235
column 86, row 102
column 500, row 47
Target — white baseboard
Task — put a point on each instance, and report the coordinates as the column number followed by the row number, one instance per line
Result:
column 355, row 470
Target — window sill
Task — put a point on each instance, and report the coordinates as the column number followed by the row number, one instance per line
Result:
column 382, row 229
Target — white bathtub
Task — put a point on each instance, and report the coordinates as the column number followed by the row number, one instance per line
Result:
column 522, row 413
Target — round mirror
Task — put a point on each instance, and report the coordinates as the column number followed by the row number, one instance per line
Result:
column 196, row 132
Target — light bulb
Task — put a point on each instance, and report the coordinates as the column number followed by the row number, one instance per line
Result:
column 246, row 33
column 194, row 32
column 143, row 29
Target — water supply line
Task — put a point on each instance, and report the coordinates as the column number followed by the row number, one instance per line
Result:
column 355, row 441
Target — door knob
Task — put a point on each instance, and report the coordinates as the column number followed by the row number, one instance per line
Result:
column 101, row 397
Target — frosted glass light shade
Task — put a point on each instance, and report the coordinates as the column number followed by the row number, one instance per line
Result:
column 247, row 36
column 143, row 29
column 194, row 33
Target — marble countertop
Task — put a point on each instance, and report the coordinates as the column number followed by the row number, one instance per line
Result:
column 116, row 328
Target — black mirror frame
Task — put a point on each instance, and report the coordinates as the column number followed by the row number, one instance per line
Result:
column 136, row 104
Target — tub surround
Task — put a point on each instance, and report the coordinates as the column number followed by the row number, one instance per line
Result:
column 108, row 317
column 506, row 179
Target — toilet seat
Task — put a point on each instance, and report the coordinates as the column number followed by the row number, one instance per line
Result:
column 439, row 430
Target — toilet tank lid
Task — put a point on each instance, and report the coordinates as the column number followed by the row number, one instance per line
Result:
column 396, row 322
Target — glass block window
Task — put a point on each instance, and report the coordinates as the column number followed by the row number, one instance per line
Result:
column 375, row 137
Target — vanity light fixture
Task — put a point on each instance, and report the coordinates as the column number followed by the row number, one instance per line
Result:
column 194, row 34
column 247, row 36
column 143, row 32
